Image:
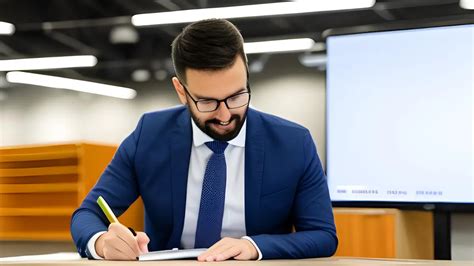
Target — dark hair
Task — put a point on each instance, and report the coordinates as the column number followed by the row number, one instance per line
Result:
column 211, row 44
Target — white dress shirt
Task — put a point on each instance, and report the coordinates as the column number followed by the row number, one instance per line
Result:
column 233, row 221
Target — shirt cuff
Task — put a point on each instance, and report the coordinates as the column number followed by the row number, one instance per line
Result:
column 91, row 245
column 255, row 245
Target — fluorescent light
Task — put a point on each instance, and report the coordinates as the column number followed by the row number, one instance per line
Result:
column 6, row 28
column 313, row 60
column 278, row 46
column 466, row 4
column 70, row 84
column 272, row 9
column 48, row 62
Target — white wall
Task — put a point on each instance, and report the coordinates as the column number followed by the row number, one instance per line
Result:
column 284, row 88
column 43, row 115
column 31, row 115
column 291, row 91
column 462, row 236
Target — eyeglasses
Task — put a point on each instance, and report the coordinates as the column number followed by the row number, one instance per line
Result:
column 210, row 105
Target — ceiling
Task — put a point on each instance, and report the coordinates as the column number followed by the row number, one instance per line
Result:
column 75, row 27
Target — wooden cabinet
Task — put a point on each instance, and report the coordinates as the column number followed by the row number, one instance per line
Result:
column 384, row 233
column 41, row 186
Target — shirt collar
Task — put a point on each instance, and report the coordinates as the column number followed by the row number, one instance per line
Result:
column 199, row 137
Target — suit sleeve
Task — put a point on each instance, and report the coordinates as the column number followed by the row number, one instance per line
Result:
column 312, row 216
column 119, row 188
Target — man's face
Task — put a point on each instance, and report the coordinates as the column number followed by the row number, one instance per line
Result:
column 222, row 124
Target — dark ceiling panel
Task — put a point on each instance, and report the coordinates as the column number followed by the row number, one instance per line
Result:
column 62, row 27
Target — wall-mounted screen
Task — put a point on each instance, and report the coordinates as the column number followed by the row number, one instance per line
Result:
column 400, row 115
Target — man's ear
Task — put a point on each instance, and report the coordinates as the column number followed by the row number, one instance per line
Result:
column 179, row 90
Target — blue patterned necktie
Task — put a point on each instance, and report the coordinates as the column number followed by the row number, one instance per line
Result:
column 211, row 210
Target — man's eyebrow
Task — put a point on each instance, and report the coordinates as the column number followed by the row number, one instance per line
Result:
column 209, row 98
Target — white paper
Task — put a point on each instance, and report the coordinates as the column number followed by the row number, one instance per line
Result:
column 172, row 254
column 62, row 256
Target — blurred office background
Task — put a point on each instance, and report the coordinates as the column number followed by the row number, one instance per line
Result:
column 288, row 84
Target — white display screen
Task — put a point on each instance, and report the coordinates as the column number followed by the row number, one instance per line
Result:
column 400, row 115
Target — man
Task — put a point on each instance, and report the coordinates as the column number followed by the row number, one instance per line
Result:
column 213, row 173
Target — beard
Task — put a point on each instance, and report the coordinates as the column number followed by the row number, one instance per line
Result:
column 208, row 130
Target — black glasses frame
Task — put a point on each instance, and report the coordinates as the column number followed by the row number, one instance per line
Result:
column 218, row 101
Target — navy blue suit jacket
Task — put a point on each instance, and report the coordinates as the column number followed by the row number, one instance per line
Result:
column 285, row 186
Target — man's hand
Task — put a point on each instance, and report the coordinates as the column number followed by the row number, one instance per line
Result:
column 226, row 248
column 120, row 244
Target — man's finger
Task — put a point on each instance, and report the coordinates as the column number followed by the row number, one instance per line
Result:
column 115, row 253
column 208, row 251
column 212, row 250
column 212, row 255
column 124, row 234
column 220, row 248
column 143, row 241
column 126, row 246
column 229, row 253
column 120, row 246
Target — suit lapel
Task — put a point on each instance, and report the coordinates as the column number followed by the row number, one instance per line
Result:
column 254, row 156
column 180, row 147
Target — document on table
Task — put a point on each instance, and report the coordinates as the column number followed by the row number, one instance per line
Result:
column 61, row 256
column 172, row 254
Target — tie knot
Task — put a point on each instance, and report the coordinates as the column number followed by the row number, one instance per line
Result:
column 217, row 146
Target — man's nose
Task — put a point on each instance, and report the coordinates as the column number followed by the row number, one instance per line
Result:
column 223, row 113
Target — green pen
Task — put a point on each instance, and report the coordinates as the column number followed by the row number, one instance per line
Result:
column 109, row 213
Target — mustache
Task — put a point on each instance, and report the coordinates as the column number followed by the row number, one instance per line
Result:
column 215, row 121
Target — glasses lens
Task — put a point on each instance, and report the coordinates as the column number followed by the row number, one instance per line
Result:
column 238, row 100
column 207, row 105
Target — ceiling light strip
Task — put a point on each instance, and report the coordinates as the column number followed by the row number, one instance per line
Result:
column 466, row 4
column 70, row 84
column 6, row 28
column 258, row 10
column 278, row 46
column 48, row 63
